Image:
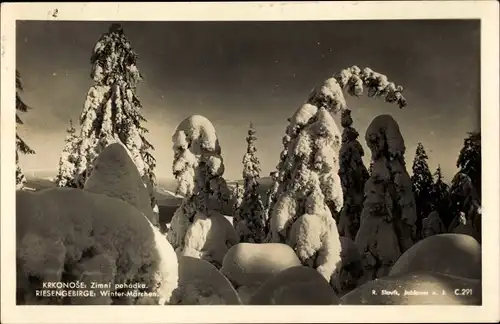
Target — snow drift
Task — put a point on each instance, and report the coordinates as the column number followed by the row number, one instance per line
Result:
column 295, row 286
column 450, row 254
column 65, row 234
column 115, row 174
column 200, row 283
column 249, row 265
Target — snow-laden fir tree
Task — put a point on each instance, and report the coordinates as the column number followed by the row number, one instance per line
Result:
column 353, row 175
column 112, row 110
column 309, row 190
column 465, row 203
column 389, row 212
column 441, row 197
column 21, row 146
column 199, row 228
column 67, row 162
column 422, row 184
column 469, row 159
column 249, row 220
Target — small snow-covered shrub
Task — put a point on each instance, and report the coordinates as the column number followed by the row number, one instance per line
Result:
column 451, row 254
column 209, row 237
column 432, row 225
column 200, row 283
column 65, row 234
column 198, row 227
column 295, row 286
column 116, row 175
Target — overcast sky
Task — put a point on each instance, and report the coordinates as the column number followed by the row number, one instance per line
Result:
column 237, row 72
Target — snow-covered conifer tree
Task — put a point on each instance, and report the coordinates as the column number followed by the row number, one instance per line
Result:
column 465, row 202
column 441, row 197
column 21, row 146
column 389, row 213
column 309, row 190
column 112, row 110
column 469, row 159
column 353, row 175
column 198, row 228
column 249, row 221
column 422, row 184
column 67, row 162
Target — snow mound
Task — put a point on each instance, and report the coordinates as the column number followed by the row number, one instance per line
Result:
column 383, row 133
column 208, row 237
column 451, row 254
column 71, row 233
column 200, row 283
column 116, row 175
column 468, row 229
column 250, row 264
column 197, row 133
column 424, row 283
column 295, row 286
column 167, row 273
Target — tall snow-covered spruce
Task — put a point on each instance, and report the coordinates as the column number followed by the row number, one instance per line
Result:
column 21, row 146
column 249, row 220
column 112, row 110
column 308, row 189
column 67, row 162
column 199, row 227
column 389, row 212
column 353, row 175
column 422, row 184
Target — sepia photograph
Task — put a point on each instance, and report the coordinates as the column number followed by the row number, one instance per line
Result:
column 248, row 162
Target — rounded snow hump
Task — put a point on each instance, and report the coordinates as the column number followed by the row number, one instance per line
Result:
column 451, row 254
column 116, row 175
column 200, row 283
column 63, row 234
column 298, row 285
column 252, row 264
